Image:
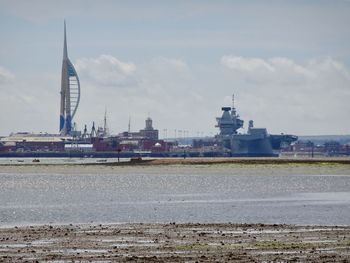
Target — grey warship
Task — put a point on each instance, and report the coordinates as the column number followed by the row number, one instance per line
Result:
column 255, row 143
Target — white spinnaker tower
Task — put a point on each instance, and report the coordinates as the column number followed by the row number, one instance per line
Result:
column 70, row 91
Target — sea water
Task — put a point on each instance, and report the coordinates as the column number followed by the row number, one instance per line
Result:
column 62, row 194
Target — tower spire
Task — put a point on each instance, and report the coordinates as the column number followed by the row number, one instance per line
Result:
column 65, row 52
column 70, row 91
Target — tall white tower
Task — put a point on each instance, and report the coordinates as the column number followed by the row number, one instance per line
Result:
column 70, row 91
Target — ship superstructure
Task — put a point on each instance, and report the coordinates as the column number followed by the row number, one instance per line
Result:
column 70, row 91
column 229, row 122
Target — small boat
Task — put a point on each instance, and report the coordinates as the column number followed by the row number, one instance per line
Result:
column 36, row 161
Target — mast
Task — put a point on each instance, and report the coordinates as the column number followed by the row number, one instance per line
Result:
column 105, row 127
column 233, row 111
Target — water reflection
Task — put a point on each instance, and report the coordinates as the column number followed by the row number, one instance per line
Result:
column 168, row 194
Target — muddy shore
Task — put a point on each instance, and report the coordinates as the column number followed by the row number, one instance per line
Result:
column 209, row 161
column 175, row 243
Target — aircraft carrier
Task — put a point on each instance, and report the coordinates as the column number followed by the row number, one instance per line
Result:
column 255, row 143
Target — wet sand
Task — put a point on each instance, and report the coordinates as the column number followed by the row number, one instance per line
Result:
column 175, row 243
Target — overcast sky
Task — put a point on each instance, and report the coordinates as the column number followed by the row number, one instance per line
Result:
column 179, row 62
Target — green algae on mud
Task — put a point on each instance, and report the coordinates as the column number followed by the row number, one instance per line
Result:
column 199, row 167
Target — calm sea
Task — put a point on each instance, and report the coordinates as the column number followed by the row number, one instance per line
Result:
column 292, row 194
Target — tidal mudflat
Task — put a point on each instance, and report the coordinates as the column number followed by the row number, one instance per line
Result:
column 175, row 243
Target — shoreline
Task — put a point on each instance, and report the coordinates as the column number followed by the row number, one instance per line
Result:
column 191, row 242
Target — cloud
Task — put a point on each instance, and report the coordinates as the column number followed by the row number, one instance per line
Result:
column 178, row 65
column 278, row 70
column 168, row 76
column 281, row 70
column 304, row 97
column 310, row 97
column 246, row 64
column 6, row 75
column 278, row 93
column 33, row 102
column 127, row 89
column 106, row 70
column 274, row 67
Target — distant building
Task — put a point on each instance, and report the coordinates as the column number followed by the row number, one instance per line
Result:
column 146, row 139
column 25, row 142
column 149, row 132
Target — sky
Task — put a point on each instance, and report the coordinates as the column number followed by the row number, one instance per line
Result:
column 178, row 62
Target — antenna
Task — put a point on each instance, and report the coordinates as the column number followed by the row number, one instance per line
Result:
column 105, row 128
column 233, row 112
column 129, row 124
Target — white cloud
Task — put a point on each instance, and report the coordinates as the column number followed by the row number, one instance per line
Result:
column 246, row 64
column 278, row 93
column 177, row 65
column 165, row 75
column 106, row 70
column 275, row 67
column 301, row 97
column 278, row 70
column 160, row 87
column 6, row 75
column 23, row 98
